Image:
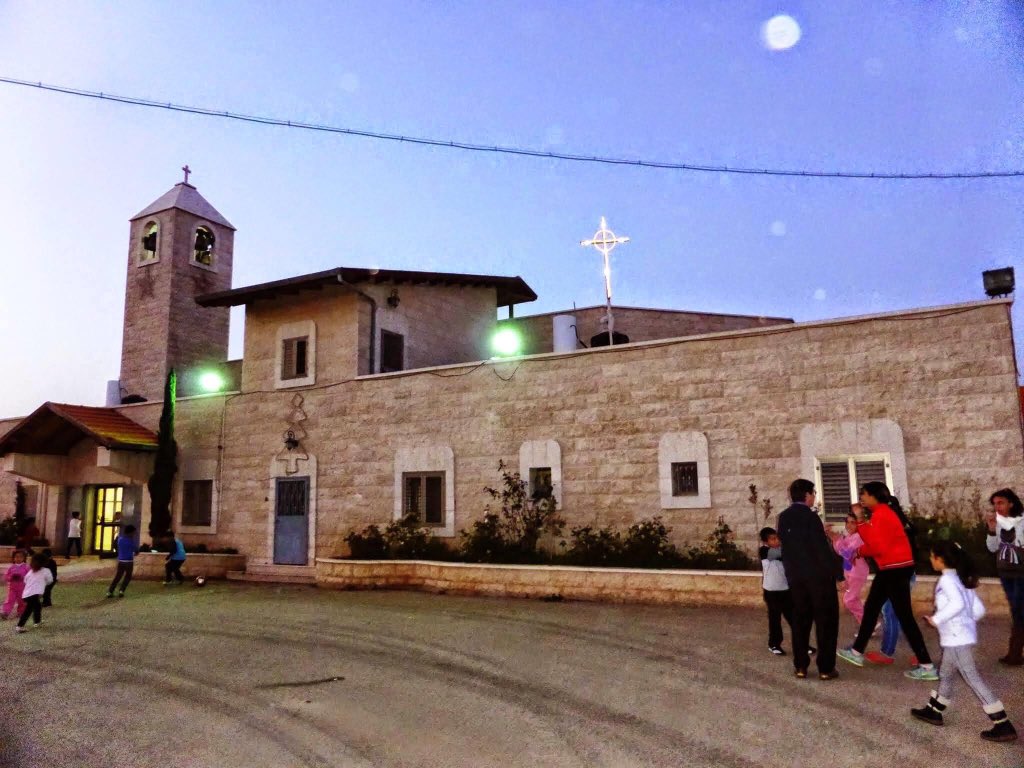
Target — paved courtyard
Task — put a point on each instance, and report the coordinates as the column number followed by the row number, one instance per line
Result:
column 239, row 675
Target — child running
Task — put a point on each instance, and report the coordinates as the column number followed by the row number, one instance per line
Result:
column 125, row 544
column 855, row 567
column 15, row 578
column 38, row 578
column 957, row 610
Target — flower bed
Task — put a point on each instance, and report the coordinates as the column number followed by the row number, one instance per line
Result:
column 150, row 565
column 615, row 585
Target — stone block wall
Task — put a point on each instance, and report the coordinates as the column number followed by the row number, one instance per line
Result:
column 442, row 324
column 947, row 378
column 163, row 326
column 638, row 324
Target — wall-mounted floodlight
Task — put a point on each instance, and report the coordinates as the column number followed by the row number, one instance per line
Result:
column 998, row 282
column 211, row 381
column 507, row 342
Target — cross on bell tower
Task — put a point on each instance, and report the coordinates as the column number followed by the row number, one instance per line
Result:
column 604, row 241
column 187, row 171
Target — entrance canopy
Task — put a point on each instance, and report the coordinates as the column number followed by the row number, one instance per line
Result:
column 78, row 444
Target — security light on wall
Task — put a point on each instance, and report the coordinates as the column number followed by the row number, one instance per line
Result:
column 998, row 282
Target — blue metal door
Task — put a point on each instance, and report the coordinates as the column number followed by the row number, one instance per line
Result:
column 291, row 521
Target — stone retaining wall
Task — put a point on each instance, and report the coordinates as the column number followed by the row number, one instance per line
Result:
column 613, row 585
column 150, row 565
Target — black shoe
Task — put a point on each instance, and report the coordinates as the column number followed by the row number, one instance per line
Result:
column 801, row 673
column 1001, row 731
column 110, row 594
column 927, row 714
column 834, row 674
column 776, row 650
column 811, row 650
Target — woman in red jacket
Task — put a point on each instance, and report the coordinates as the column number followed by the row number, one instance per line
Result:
column 886, row 541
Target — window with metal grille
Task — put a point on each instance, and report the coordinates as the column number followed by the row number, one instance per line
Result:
column 423, row 495
column 293, row 358
column 292, row 497
column 684, row 478
column 840, row 478
column 197, row 502
column 392, row 351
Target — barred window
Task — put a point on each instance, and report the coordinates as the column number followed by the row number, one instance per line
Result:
column 684, row 478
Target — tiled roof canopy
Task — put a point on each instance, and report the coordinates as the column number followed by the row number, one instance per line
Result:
column 511, row 290
column 54, row 428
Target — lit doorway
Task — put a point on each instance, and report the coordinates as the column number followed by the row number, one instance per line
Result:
column 108, row 501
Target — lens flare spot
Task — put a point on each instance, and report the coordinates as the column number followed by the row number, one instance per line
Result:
column 780, row 33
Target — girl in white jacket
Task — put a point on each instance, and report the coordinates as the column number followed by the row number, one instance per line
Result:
column 957, row 610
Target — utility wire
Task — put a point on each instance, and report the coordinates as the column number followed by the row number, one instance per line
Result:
column 699, row 167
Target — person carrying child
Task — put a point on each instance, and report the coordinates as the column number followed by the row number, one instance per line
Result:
column 51, row 565
column 775, row 588
column 38, row 578
column 855, row 567
column 125, row 560
column 15, row 579
column 957, row 611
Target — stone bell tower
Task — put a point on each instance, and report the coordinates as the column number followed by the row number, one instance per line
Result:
column 179, row 247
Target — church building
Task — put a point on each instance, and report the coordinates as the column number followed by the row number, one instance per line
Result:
column 362, row 394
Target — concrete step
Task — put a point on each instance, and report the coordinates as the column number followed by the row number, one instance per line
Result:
column 275, row 575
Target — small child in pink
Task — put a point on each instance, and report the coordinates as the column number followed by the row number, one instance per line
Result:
column 15, row 578
column 855, row 567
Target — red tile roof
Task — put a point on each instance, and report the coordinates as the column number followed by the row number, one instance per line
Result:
column 54, row 427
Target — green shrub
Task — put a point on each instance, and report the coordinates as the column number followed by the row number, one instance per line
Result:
column 403, row 539
column 8, row 531
column 367, row 545
column 594, row 547
column 646, row 545
column 970, row 534
column 511, row 534
column 719, row 552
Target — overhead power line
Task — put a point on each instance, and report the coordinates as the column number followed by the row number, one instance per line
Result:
column 697, row 167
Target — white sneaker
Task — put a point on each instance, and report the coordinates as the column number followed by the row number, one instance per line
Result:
column 19, row 629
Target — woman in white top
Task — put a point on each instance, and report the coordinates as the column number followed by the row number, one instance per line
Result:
column 1006, row 538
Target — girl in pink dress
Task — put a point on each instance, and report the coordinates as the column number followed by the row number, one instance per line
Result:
column 15, row 578
column 855, row 567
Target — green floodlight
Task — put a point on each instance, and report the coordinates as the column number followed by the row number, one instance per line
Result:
column 507, row 342
column 211, row 381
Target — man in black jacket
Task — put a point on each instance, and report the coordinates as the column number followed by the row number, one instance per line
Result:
column 812, row 569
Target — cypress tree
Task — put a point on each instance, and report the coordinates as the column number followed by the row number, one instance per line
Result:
column 161, row 481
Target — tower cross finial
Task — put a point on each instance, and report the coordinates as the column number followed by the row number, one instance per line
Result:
column 604, row 241
column 187, row 171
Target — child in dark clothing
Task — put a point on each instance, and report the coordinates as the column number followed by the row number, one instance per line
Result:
column 125, row 544
column 775, row 588
column 51, row 565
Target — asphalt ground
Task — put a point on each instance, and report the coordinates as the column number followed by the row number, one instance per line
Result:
column 259, row 675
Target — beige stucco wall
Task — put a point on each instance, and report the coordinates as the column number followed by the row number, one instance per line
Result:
column 948, row 379
column 637, row 323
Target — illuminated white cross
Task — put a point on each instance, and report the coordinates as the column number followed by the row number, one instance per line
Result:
column 187, row 171
column 604, row 240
